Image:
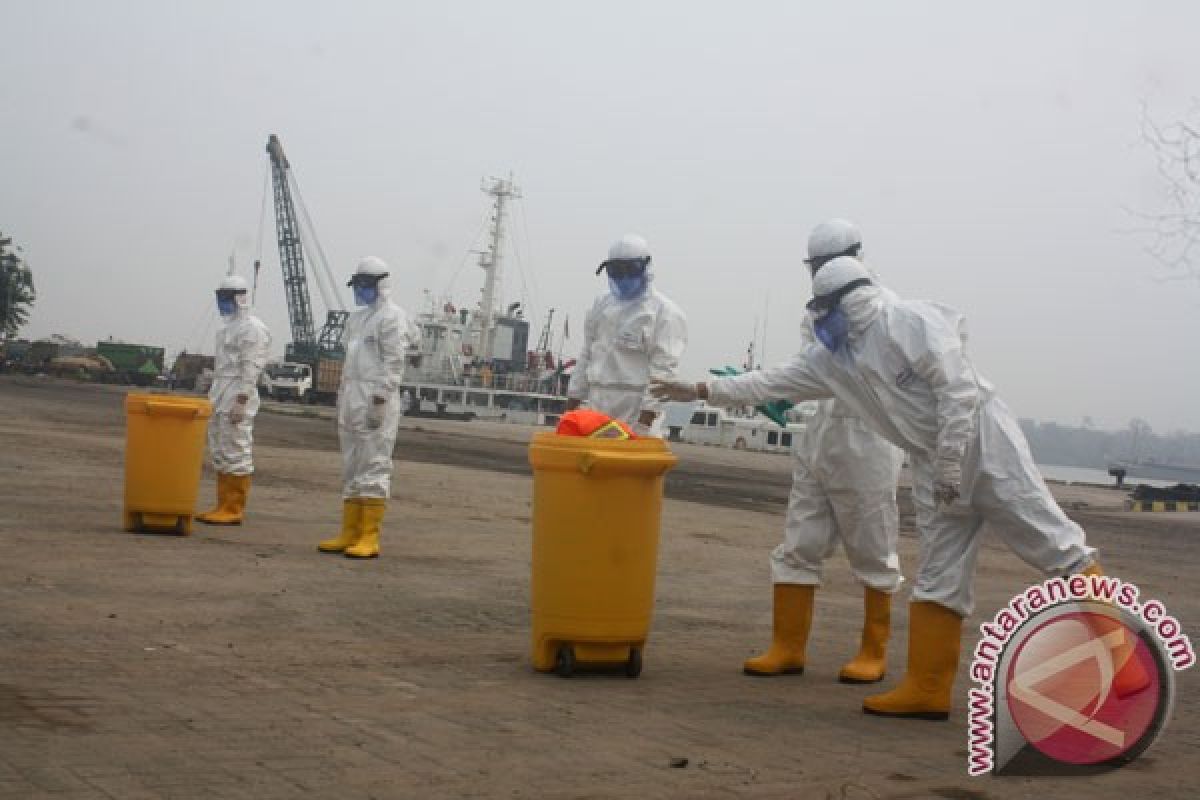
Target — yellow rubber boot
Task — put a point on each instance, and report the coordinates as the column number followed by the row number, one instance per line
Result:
column 351, row 528
column 934, row 642
column 871, row 662
column 231, row 502
column 367, row 545
column 789, row 638
column 222, row 500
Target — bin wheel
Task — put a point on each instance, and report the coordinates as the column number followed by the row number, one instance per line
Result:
column 633, row 667
column 564, row 661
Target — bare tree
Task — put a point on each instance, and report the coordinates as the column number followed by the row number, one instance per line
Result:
column 1174, row 230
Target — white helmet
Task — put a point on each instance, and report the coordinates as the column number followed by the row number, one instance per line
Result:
column 835, row 237
column 837, row 278
column 629, row 248
column 233, row 283
column 233, row 287
column 374, row 271
column 372, row 265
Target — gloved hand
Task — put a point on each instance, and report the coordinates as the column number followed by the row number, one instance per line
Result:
column 237, row 414
column 947, row 479
column 644, row 425
column 375, row 412
column 678, row 391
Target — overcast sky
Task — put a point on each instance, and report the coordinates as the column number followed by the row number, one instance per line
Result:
column 989, row 152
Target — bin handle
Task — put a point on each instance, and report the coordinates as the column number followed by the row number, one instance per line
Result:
column 601, row 463
column 170, row 410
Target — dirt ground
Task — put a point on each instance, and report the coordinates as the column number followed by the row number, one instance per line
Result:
column 240, row 663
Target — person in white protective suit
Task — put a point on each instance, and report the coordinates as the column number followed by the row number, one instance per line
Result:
column 243, row 342
column 378, row 340
column 633, row 334
column 843, row 489
column 902, row 366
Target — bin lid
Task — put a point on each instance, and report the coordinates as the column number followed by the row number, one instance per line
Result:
column 148, row 402
column 649, row 456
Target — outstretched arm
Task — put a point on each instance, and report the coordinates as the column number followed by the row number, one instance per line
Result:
column 798, row 379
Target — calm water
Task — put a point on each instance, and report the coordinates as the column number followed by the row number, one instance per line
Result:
column 1086, row 475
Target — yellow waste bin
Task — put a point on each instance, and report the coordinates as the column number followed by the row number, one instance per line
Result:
column 596, row 510
column 164, row 456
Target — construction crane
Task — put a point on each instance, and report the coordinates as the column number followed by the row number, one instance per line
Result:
column 306, row 347
column 544, row 344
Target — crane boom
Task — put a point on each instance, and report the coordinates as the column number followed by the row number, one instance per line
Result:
column 306, row 345
column 291, row 250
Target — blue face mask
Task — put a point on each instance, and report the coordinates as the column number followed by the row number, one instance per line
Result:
column 365, row 295
column 832, row 328
column 227, row 306
column 627, row 287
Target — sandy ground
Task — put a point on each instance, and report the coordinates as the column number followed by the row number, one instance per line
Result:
column 240, row 663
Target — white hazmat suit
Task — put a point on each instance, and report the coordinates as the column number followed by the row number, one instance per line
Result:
column 378, row 340
column 902, row 367
column 905, row 370
column 628, row 342
column 843, row 490
column 242, row 346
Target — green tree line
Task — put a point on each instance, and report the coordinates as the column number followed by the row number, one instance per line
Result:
column 1086, row 446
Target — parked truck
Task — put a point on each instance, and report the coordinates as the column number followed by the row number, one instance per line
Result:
column 288, row 382
column 87, row 367
column 22, row 355
column 43, row 351
column 188, row 367
column 741, row 430
column 14, row 354
column 302, row 381
column 134, row 363
column 329, row 378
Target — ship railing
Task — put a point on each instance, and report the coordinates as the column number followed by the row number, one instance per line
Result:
column 506, row 382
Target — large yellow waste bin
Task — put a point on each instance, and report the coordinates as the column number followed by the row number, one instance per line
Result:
column 596, row 510
column 164, row 456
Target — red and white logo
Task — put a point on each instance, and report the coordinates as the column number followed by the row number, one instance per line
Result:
column 1075, row 676
column 1083, row 688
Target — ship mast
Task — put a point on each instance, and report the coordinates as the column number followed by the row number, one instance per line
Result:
column 489, row 260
